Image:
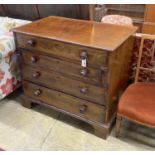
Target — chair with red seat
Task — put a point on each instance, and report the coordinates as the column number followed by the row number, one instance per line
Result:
column 137, row 103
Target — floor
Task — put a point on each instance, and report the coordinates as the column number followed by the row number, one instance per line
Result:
column 41, row 128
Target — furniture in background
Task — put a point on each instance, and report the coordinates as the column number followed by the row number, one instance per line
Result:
column 97, row 11
column 37, row 11
column 147, row 59
column 74, row 69
column 137, row 103
column 142, row 15
column 135, row 12
column 149, row 19
column 117, row 19
column 147, row 55
column 10, row 76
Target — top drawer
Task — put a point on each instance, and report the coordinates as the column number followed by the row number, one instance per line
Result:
column 65, row 50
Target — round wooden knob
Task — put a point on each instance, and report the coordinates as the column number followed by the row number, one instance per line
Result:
column 37, row 92
column 83, row 55
column 36, row 75
column 31, row 42
column 84, row 72
column 83, row 108
column 84, row 90
column 33, row 59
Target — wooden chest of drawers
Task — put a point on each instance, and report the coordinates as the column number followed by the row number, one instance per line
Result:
column 76, row 67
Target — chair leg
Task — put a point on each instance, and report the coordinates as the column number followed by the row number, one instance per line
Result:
column 118, row 125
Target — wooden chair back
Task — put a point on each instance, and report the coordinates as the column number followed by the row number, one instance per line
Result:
column 139, row 67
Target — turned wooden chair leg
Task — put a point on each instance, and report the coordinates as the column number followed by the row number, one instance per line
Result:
column 118, row 125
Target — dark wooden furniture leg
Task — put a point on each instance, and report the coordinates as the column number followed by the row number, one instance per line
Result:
column 26, row 102
column 100, row 131
column 118, row 125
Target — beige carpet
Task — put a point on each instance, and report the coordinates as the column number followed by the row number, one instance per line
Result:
column 41, row 128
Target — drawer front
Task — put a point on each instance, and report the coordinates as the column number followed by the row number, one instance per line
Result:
column 89, row 74
column 65, row 102
column 65, row 50
column 64, row 84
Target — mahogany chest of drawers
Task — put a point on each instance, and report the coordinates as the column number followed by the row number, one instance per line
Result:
column 76, row 67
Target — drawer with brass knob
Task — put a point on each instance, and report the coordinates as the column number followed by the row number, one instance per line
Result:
column 33, row 59
column 37, row 92
column 66, row 102
column 36, row 74
column 87, row 74
column 83, row 108
column 84, row 90
column 62, row 83
column 75, row 53
column 31, row 42
column 84, row 72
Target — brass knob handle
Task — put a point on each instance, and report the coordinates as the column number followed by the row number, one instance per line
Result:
column 84, row 72
column 37, row 92
column 31, row 42
column 83, row 55
column 84, row 90
column 83, row 108
column 33, row 59
column 104, row 70
column 36, row 75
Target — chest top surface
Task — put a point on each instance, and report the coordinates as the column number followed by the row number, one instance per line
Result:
column 79, row 32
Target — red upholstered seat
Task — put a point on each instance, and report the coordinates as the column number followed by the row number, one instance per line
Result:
column 138, row 103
